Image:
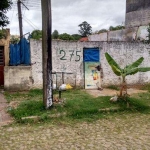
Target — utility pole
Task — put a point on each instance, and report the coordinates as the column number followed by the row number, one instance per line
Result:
column 47, row 53
column 20, row 18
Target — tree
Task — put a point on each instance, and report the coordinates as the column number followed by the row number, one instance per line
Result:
column 36, row 34
column 3, row 34
column 55, row 34
column 102, row 31
column 119, row 27
column 85, row 29
column 14, row 40
column 5, row 5
column 128, row 70
column 65, row 36
column 76, row 37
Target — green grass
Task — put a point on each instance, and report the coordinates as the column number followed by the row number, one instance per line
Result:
column 113, row 87
column 78, row 105
column 35, row 94
column 145, row 87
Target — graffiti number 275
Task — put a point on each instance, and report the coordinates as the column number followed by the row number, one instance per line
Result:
column 72, row 53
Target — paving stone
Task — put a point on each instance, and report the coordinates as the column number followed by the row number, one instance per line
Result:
column 4, row 116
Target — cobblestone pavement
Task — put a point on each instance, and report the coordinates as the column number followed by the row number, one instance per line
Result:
column 4, row 117
column 124, row 132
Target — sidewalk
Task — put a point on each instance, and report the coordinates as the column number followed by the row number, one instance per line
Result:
column 4, row 116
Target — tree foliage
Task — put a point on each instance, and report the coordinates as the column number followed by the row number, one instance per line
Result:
column 55, row 34
column 65, row 36
column 128, row 70
column 119, row 27
column 76, row 37
column 5, row 5
column 14, row 40
column 100, row 31
column 3, row 34
column 85, row 29
column 36, row 34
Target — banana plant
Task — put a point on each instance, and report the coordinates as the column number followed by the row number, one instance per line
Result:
column 127, row 70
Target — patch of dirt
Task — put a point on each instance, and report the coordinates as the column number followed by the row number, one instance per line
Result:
column 5, row 118
column 110, row 92
column 14, row 104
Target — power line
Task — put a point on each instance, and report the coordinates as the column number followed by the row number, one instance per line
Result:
column 25, row 9
column 30, row 22
column 23, row 5
column 34, row 4
column 11, row 17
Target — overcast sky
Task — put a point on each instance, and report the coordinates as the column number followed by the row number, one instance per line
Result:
column 68, row 14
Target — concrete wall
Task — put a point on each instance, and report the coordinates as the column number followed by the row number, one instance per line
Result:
column 118, row 35
column 142, row 33
column 126, row 35
column 98, row 37
column 68, row 57
column 17, row 78
column 137, row 13
column 124, row 54
column 36, row 62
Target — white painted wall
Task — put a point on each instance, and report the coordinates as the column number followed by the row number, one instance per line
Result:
column 124, row 53
column 98, row 37
column 17, row 78
column 36, row 63
column 126, row 35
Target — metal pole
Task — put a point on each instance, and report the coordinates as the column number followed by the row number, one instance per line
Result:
column 63, row 81
column 47, row 53
column 20, row 18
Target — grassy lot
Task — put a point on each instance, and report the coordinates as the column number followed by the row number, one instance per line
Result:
column 77, row 106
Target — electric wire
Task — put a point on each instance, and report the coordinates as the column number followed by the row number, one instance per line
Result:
column 25, row 9
column 34, row 4
column 31, row 22
column 11, row 18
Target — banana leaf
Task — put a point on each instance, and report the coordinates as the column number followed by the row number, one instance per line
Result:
column 116, row 70
column 111, row 61
column 132, row 71
column 144, row 69
column 134, row 65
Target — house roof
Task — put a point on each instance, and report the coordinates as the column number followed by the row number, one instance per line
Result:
column 84, row 39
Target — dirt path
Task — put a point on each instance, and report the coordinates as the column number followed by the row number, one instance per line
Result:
column 109, row 92
column 124, row 132
column 4, row 116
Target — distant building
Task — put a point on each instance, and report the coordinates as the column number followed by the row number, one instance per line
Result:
column 84, row 39
column 137, row 13
column 136, row 23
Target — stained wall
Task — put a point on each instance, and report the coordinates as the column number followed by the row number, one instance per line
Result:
column 68, row 58
column 137, row 13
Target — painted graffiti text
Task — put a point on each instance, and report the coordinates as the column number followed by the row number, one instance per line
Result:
column 72, row 54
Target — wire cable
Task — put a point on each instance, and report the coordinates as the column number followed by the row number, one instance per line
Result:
column 11, row 18
column 31, row 22
column 25, row 9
